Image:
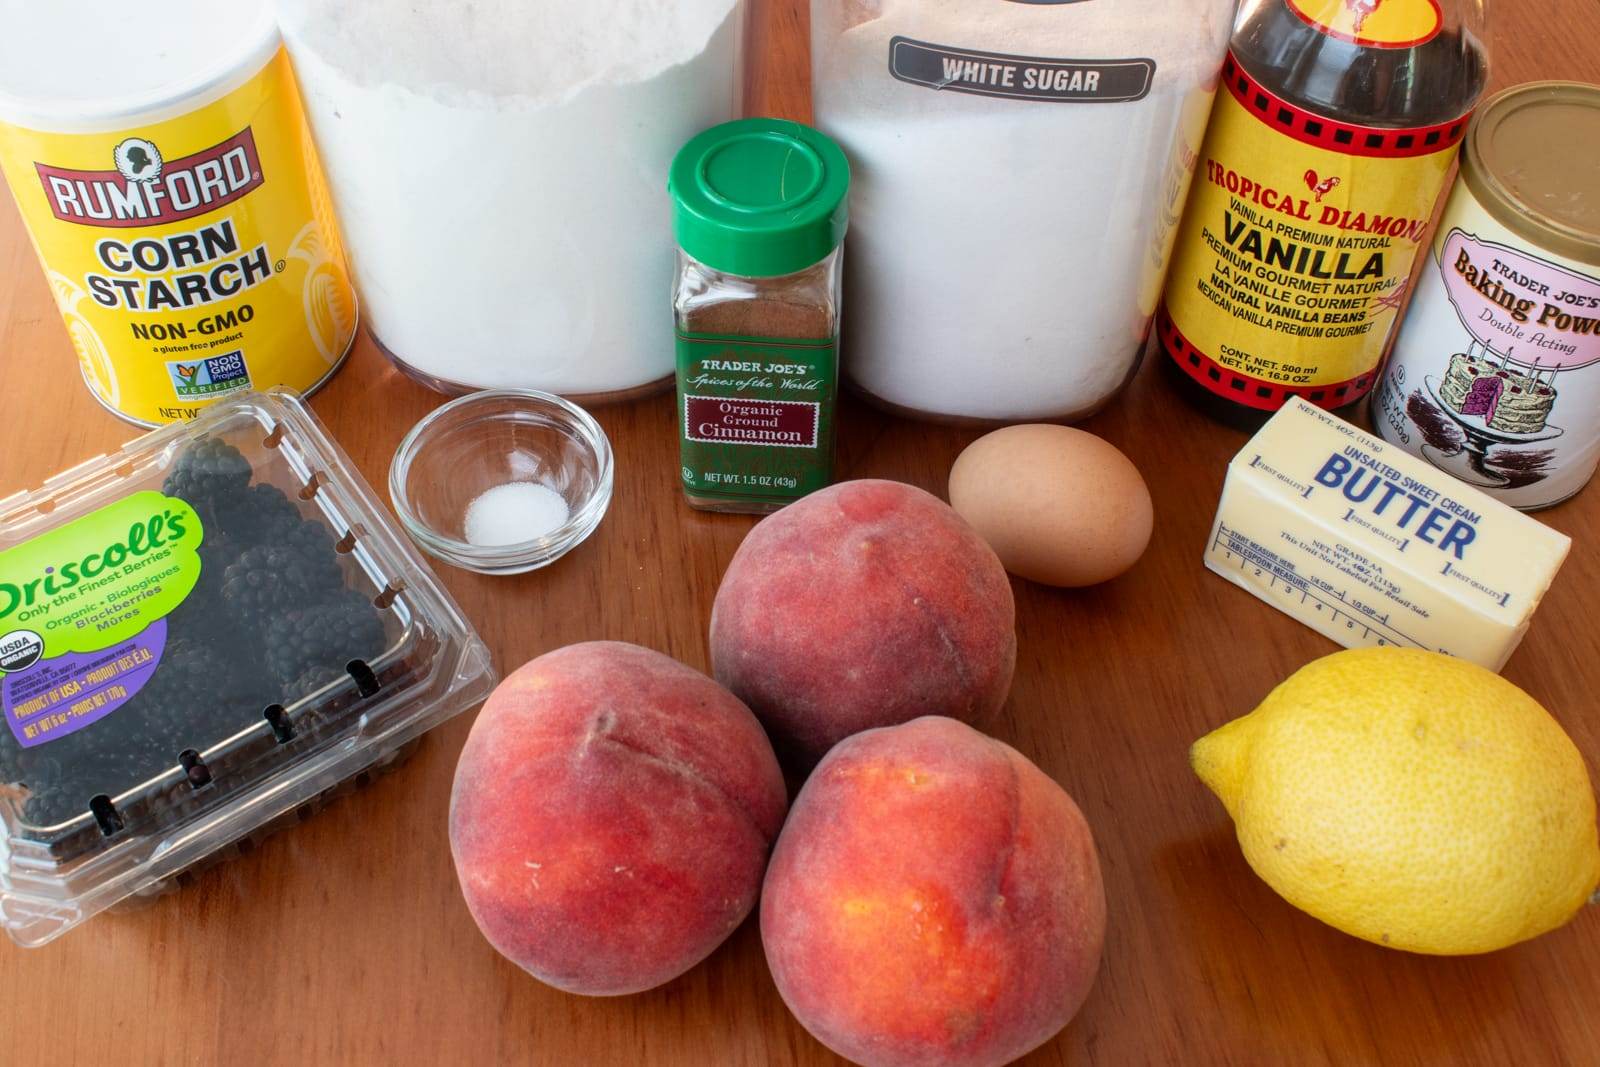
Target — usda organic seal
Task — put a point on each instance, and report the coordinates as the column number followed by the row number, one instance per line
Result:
column 19, row 650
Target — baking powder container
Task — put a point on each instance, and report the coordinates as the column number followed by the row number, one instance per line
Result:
column 1496, row 375
column 160, row 158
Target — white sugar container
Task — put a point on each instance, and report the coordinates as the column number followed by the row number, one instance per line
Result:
column 1020, row 169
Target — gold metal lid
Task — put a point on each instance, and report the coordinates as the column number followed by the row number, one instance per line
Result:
column 1532, row 158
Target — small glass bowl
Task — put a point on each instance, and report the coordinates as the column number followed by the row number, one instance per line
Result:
column 487, row 439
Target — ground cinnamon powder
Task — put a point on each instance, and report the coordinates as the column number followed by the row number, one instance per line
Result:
column 764, row 317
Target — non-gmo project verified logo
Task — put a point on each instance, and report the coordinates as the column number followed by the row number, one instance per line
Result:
column 206, row 378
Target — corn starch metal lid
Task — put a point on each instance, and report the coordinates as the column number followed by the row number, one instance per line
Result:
column 160, row 160
column 95, row 66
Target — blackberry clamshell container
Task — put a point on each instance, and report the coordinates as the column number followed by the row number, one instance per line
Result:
column 203, row 638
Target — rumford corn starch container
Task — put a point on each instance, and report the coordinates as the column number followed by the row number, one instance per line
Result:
column 160, row 158
column 1496, row 376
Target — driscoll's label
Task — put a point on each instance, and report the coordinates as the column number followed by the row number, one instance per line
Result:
column 756, row 415
column 1296, row 247
column 191, row 258
column 83, row 613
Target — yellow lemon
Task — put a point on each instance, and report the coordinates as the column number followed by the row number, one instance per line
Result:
column 1411, row 799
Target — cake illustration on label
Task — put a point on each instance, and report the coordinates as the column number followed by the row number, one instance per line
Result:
column 1488, row 401
column 1504, row 398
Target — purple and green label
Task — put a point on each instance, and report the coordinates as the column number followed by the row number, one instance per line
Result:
column 83, row 610
column 755, row 415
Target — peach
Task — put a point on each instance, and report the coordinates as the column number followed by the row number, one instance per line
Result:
column 866, row 604
column 612, row 814
column 934, row 900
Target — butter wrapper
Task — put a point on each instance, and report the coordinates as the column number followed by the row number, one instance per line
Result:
column 1369, row 545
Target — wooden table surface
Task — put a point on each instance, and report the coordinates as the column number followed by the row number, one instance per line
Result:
column 346, row 941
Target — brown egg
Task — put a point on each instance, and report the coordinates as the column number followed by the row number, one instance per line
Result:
column 1057, row 505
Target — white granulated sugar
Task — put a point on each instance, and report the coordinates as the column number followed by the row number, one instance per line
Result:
column 514, row 513
column 499, row 171
column 1005, row 255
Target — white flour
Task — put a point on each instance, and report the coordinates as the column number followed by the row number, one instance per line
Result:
column 500, row 170
column 1005, row 255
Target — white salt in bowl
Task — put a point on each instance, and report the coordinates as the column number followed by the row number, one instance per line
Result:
column 460, row 460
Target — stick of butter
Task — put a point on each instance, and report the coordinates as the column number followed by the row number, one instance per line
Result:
column 1370, row 545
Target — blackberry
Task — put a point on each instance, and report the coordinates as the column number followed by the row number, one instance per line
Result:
column 197, row 615
column 48, row 782
column 202, row 691
column 55, row 800
column 328, row 713
column 121, row 751
column 61, row 777
column 12, row 756
column 311, row 538
column 208, row 473
column 272, row 580
column 326, row 635
column 312, row 681
column 258, row 515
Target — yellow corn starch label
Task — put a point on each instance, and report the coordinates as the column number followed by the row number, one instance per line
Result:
column 1296, row 248
column 194, row 257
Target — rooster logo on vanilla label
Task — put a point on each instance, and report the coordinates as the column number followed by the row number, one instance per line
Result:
column 1374, row 23
column 177, row 251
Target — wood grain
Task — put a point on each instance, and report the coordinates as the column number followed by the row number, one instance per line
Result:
column 345, row 941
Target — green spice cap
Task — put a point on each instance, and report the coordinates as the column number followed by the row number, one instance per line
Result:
column 760, row 197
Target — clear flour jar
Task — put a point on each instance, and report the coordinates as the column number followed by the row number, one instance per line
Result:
column 1495, row 377
column 498, row 168
column 1020, row 172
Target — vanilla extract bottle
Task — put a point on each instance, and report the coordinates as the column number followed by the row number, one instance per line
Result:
column 1333, row 132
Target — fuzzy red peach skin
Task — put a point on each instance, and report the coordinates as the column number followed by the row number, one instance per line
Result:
column 934, row 901
column 866, row 604
column 612, row 814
